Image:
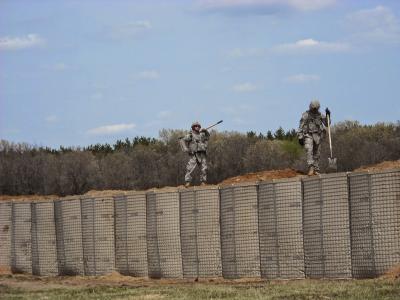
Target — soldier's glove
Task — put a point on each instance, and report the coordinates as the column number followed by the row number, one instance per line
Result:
column 328, row 112
column 301, row 141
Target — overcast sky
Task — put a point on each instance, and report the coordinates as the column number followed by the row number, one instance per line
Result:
column 75, row 73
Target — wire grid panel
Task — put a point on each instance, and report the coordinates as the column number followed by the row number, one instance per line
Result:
column 385, row 205
column 153, row 251
column 326, row 226
column 362, row 239
column 280, row 229
column 239, row 232
column 200, row 233
column 21, row 239
column 130, row 234
column 98, row 235
column 5, row 235
column 69, row 236
column 168, row 234
column 44, row 249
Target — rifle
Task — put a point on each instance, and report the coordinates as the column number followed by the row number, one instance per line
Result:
column 209, row 127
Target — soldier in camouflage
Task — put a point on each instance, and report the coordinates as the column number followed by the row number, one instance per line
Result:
column 195, row 144
column 311, row 132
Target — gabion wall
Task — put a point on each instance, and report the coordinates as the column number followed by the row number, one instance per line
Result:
column 200, row 234
column 5, row 235
column 130, row 234
column 329, row 226
column 326, row 226
column 280, row 229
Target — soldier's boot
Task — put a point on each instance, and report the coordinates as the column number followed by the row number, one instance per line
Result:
column 203, row 183
column 187, row 184
column 310, row 171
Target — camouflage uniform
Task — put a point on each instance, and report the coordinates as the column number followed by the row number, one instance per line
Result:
column 310, row 133
column 195, row 143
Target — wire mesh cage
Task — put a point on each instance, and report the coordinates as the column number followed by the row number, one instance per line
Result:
column 98, row 235
column 69, row 236
column 44, row 249
column 21, row 239
column 375, row 222
column 200, row 233
column 239, row 232
column 163, row 235
column 280, row 229
column 5, row 235
column 327, row 226
column 130, row 234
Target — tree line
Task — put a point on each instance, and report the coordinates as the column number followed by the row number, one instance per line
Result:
column 143, row 162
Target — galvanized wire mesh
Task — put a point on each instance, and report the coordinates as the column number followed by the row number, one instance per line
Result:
column 385, row 206
column 69, row 236
column 44, row 250
column 98, row 235
column 5, row 235
column 21, row 239
column 375, row 222
column 163, row 235
column 130, row 234
column 326, row 226
column 200, row 233
column 239, row 232
column 280, row 229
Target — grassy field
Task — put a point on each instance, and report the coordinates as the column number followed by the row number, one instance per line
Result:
column 34, row 288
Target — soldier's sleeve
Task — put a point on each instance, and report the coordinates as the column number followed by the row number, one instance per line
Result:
column 187, row 138
column 205, row 133
column 303, row 119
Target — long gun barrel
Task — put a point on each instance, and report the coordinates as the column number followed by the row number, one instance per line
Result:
column 209, row 127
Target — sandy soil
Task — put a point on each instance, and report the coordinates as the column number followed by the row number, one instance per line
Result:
column 385, row 165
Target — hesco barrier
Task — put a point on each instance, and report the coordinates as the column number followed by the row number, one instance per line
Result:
column 98, row 234
column 5, row 235
column 130, row 234
column 21, row 239
column 280, row 229
column 200, row 234
column 239, row 232
column 44, row 250
column 163, row 235
column 326, row 226
column 375, row 222
column 329, row 226
column 69, row 236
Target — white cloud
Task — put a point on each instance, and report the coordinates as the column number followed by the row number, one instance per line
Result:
column 378, row 24
column 51, row 119
column 302, row 78
column 129, row 30
column 245, row 87
column 111, row 129
column 262, row 6
column 17, row 43
column 311, row 46
column 148, row 75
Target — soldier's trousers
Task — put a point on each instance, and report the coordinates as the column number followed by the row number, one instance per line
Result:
column 198, row 159
column 313, row 150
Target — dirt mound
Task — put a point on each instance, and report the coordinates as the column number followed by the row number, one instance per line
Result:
column 263, row 175
column 392, row 273
column 385, row 165
column 30, row 198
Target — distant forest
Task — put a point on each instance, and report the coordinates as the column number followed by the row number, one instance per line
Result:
column 143, row 162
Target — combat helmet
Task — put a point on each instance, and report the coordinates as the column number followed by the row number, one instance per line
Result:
column 314, row 105
column 195, row 124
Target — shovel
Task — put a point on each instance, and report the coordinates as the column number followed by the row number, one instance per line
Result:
column 332, row 162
